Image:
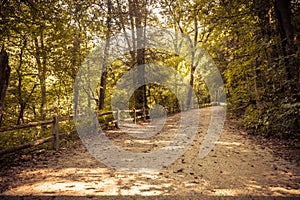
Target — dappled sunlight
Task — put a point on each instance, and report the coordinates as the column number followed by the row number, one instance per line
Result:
column 144, row 141
column 128, row 99
column 227, row 192
column 284, row 191
column 96, row 181
column 235, row 168
column 101, row 181
column 251, row 187
column 228, row 143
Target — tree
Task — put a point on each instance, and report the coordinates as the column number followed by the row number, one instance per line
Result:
column 46, row 46
column 260, row 74
column 185, row 17
column 108, row 34
column 4, row 79
column 138, row 20
column 289, row 45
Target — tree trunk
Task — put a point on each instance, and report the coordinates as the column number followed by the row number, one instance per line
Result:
column 290, row 48
column 140, row 43
column 4, row 79
column 105, row 55
column 284, row 16
column 21, row 114
column 75, row 62
column 193, row 66
column 19, row 88
column 136, row 15
column 23, row 105
column 262, row 10
column 41, row 64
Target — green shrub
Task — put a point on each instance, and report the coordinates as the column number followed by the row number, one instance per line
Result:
column 280, row 121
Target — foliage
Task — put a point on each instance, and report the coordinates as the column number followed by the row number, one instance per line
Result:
column 14, row 138
column 261, row 92
column 48, row 41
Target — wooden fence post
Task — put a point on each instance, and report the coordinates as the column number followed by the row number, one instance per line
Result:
column 118, row 118
column 55, row 133
column 134, row 115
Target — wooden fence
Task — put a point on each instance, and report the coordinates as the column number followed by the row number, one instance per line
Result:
column 56, row 136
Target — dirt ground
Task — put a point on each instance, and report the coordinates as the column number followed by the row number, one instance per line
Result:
column 237, row 168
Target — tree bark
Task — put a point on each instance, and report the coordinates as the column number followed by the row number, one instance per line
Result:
column 290, row 48
column 21, row 102
column 136, row 15
column 4, row 79
column 105, row 55
column 23, row 105
column 193, row 65
column 284, row 16
column 41, row 64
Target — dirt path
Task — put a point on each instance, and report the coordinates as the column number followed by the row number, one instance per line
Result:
column 235, row 168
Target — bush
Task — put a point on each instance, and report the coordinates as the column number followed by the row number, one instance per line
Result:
column 280, row 121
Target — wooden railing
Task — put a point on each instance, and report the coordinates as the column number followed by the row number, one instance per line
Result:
column 56, row 136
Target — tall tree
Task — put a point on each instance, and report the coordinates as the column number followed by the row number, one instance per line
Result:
column 4, row 79
column 184, row 17
column 138, row 20
column 106, row 50
column 290, row 47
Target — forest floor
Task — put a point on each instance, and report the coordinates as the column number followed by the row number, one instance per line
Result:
column 239, row 167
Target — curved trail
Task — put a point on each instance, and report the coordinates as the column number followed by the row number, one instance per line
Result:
column 235, row 168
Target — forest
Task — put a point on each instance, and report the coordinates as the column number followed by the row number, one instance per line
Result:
column 254, row 44
column 60, row 57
